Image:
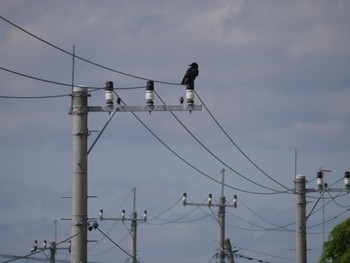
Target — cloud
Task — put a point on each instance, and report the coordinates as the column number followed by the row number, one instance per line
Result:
column 273, row 74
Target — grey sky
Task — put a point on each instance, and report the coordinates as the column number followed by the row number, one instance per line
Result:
column 274, row 74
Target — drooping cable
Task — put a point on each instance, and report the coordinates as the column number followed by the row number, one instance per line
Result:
column 116, row 244
column 330, row 219
column 212, row 154
column 65, row 84
column 41, row 250
column 238, row 148
column 84, row 59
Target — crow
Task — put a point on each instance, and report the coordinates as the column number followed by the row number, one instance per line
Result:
column 190, row 74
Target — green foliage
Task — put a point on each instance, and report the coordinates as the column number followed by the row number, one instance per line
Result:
column 337, row 248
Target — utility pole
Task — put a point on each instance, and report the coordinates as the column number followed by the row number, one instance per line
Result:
column 229, row 252
column 79, row 114
column 53, row 248
column 79, row 111
column 300, row 191
column 133, row 232
column 220, row 254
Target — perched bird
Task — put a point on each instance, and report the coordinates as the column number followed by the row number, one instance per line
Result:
column 191, row 74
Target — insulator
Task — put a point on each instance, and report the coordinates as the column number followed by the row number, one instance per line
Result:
column 190, row 96
column 109, row 93
column 123, row 214
column 235, row 201
column 144, row 215
column 210, row 199
column 347, row 179
column 184, row 199
column 319, row 180
column 100, row 216
column 150, row 93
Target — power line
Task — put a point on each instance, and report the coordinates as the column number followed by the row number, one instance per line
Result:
column 65, row 84
column 238, row 148
column 84, row 59
column 35, row 97
column 41, row 250
column 266, row 254
column 122, row 249
column 211, row 153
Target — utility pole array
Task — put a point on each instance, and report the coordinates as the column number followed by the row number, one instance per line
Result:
column 79, row 112
column 220, row 255
column 301, row 190
column 133, row 232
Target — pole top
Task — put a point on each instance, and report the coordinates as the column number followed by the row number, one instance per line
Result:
column 79, row 88
column 300, row 177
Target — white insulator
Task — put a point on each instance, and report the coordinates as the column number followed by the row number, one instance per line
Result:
column 109, row 94
column 190, row 96
column 149, row 96
column 109, row 97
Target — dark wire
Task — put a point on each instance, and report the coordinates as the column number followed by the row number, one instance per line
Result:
column 189, row 164
column 212, row 154
column 217, row 158
column 41, row 250
column 122, row 249
column 330, row 219
column 65, row 84
column 264, row 219
column 35, row 97
column 266, row 254
column 238, row 148
column 84, row 59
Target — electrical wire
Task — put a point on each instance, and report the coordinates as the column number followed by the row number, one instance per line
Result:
column 65, row 84
column 41, row 250
column 334, row 200
column 330, row 219
column 188, row 163
column 122, row 249
column 264, row 219
column 84, row 59
column 212, row 154
column 238, row 148
column 134, row 76
column 35, row 97
column 251, row 258
column 115, row 223
column 165, row 211
column 266, row 254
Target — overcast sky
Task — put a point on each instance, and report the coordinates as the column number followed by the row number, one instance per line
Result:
column 273, row 81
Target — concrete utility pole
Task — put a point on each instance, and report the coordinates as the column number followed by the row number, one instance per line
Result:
column 300, row 219
column 300, row 191
column 229, row 252
column 220, row 254
column 53, row 248
column 133, row 231
column 79, row 112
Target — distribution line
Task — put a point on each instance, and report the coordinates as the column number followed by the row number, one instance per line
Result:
column 84, row 59
column 91, row 88
column 41, row 250
column 122, row 249
column 217, row 158
column 238, row 148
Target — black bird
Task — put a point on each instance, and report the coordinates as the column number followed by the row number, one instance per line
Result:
column 190, row 74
